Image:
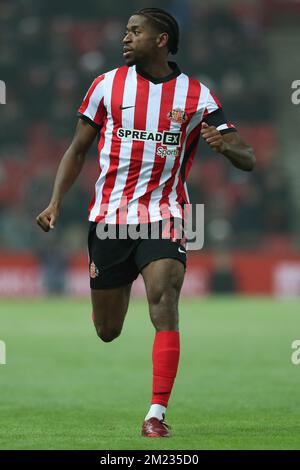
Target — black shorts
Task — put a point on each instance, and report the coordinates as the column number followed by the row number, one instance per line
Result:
column 117, row 262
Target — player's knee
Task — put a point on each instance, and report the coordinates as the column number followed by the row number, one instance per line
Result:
column 155, row 294
column 165, row 292
column 160, row 295
column 107, row 335
column 163, row 306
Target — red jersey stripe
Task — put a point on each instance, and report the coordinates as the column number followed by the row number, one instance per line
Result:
column 101, row 113
column 87, row 97
column 190, row 152
column 216, row 100
column 100, row 147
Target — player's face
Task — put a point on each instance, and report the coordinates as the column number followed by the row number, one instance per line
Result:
column 140, row 41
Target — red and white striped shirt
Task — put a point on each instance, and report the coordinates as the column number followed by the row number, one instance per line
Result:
column 149, row 132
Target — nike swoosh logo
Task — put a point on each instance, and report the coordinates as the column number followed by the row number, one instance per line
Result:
column 126, row 107
column 181, row 251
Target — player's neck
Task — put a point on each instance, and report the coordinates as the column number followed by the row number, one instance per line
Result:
column 158, row 69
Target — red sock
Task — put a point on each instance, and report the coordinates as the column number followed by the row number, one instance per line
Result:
column 93, row 316
column 165, row 357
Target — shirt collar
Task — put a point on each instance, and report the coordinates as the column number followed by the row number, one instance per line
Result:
column 175, row 72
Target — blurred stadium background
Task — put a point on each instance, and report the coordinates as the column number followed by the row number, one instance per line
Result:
column 247, row 52
column 244, row 393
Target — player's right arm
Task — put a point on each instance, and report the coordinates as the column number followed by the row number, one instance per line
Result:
column 69, row 168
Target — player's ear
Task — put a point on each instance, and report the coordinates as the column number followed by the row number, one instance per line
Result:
column 162, row 40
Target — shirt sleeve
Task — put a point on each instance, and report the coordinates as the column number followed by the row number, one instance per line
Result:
column 214, row 115
column 92, row 108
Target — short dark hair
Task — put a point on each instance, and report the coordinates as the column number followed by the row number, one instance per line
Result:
column 164, row 22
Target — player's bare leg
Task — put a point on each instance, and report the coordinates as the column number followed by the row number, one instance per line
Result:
column 163, row 280
column 109, row 311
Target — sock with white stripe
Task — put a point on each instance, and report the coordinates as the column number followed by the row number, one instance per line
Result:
column 156, row 411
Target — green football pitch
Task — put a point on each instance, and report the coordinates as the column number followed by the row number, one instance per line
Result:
column 236, row 388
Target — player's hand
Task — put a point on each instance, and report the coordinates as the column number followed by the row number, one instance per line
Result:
column 47, row 219
column 213, row 138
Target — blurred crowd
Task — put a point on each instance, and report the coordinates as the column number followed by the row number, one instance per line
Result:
column 51, row 52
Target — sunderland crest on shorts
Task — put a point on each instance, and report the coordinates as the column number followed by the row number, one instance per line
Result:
column 94, row 271
column 177, row 115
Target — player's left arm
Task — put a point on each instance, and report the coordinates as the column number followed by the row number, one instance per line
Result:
column 231, row 145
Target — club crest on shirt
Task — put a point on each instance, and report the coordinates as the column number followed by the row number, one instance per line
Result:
column 177, row 115
column 94, row 271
